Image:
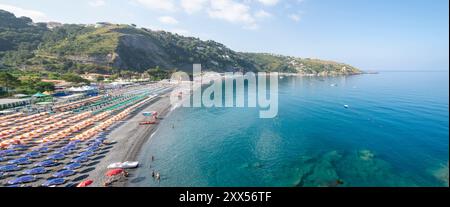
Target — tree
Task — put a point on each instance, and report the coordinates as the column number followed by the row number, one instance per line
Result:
column 100, row 78
column 74, row 78
column 44, row 86
column 8, row 81
column 157, row 73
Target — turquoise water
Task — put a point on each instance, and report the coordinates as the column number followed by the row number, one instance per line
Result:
column 394, row 133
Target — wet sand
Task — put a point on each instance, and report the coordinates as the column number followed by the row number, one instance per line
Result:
column 127, row 138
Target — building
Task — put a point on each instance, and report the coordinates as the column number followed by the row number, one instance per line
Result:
column 102, row 24
column 94, row 76
column 52, row 25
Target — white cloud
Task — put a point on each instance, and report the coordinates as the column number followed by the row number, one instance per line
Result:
column 165, row 5
column 168, row 20
column 269, row 2
column 231, row 11
column 97, row 3
column 36, row 16
column 262, row 14
column 192, row 6
column 295, row 17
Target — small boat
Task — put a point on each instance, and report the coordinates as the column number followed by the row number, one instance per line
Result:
column 123, row 165
column 346, row 106
column 147, row 122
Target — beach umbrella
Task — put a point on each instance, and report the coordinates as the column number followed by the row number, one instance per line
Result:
column 72, row 166
column 114, row 172
column 46, row 163
column 9, row 168
column 63, row 173
column 86, row 154
column 33, row 154
column 85, row 183
column 18, row 147
column 35, row 171
column 39, row 95
column 54, row 182
column 64, row 151
column 57, row 156
column 23, row 179
column 80, row 159
column 20, row 161
column 9, row 152
column 43, row 149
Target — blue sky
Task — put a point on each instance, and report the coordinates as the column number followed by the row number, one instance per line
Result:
column 370, row 34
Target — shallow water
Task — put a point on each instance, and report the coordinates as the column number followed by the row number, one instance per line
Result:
column 394, row 133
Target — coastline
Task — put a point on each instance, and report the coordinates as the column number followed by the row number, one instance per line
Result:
column 128, row 138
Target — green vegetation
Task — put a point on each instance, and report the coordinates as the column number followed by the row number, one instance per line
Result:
column 27, row 84
column 128, row 52
column 74, row 78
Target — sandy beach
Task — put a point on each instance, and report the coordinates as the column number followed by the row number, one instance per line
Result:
column 127, row 139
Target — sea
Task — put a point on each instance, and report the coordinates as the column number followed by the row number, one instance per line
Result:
column 382, row 130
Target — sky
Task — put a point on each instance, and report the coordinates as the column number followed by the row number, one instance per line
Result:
column 369, row 34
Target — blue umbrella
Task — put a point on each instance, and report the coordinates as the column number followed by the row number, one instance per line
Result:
column 23, row 179
column 18, row 147
column 43, row 149
column 54, row 182
column 72, row 166
column 63, row 173
column 9, row 152
column 93, row 148
column 86, row 154
column 80, row 159
column 46, row 163
column 75, row 142
column 64, row 151
column 9, row 168
column 69, row 147
column 35, row 171
column 33, row 154
column 3, row 159
column 56, row 156
column 20, row 161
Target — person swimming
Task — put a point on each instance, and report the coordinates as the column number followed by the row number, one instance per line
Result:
column 158, row 177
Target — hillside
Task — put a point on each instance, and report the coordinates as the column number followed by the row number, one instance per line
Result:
column 85, row 48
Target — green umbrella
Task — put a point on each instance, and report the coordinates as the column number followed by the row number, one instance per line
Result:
column 38, row 95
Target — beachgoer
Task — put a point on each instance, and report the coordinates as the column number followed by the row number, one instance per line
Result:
column 153, row 174
column 153, row 158
column 158, row 177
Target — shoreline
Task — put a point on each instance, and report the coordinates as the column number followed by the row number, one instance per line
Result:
column 128, row 139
